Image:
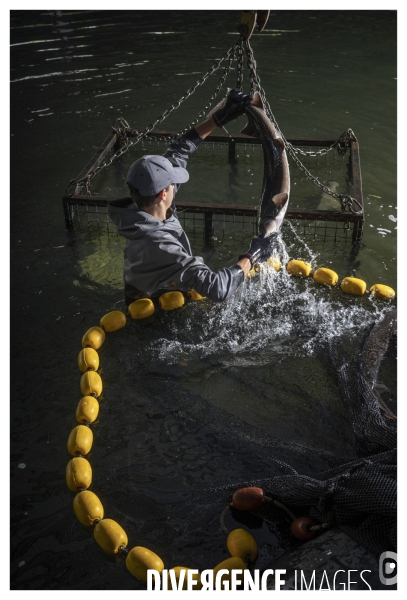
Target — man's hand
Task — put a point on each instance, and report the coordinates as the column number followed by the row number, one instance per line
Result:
column 232, row 109
column 260, row 250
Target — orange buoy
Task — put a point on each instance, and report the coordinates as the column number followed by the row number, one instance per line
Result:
column 248, row 498
column 299, row 528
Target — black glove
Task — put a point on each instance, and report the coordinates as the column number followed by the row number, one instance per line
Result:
column 233, row 108
column 260, row 250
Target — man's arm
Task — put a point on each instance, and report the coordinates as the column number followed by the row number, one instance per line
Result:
column 190, row 272
column 188, row 143
column 205, row 128
column 181, row 148
column 245, row 265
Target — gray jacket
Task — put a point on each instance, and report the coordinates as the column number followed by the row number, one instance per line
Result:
column 158, row 256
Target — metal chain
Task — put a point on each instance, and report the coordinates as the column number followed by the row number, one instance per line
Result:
column 213, row 96
column 125, row 129
column 341, row 144
column 256, row 85
column 85, row 181
column 346, row 201
column 122, row 128
column 239, row 48
column 254, row 78
column 202, row 112
column 239, row 80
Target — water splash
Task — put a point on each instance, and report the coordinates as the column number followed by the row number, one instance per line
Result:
column 270, row 316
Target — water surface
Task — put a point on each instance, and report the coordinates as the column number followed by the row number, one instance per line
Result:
column 207, row 396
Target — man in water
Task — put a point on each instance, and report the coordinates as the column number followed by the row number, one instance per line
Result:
column 158, row 256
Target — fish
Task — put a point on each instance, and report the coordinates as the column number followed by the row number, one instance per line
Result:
column 276, row 177
column 327, row 202
column 372, row 355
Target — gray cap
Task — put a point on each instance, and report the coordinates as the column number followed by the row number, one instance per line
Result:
column 152, row 173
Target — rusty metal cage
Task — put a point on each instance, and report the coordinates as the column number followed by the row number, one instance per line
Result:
column 312, row 220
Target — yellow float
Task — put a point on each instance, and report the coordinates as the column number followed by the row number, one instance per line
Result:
column 325, row 276
column 140, row 559
column 298, row 268
column 171, row 300
column 110, row 536
column 93, row 338
column 78, row 474
column 229, row 564
column 274, row 262
column 88, row 360
column 88, row 508
column 352, row 285
column 87, row 410
column 80, row 440
column 141, row 309
column 241, row 544
column 193, row 295
column 113, row 321
column 91, row 384
column 195, row 577
column 383, row 292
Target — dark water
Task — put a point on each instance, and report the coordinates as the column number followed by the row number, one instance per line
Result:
column 205, row 397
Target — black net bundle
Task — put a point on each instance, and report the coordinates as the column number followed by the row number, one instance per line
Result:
column 360, row 495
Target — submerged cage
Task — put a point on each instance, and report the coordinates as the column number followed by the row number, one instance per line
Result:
column 319, row 218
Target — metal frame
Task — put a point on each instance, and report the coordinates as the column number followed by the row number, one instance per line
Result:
column 71, row 198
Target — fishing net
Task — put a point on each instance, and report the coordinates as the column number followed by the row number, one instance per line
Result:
column 240, row 188
column 210, row 399
column 266, row 388
column 358, row 495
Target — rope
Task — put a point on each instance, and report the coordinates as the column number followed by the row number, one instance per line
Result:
column 222, row 519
